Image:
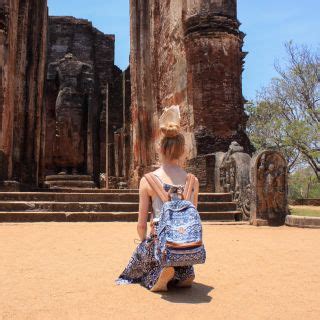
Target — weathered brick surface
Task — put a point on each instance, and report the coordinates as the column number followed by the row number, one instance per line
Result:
column 158, row 76
column 214, row 76
column 143, row 79
column 90, row 46
column 23, row 38
column 187, row 53
column 204, row 169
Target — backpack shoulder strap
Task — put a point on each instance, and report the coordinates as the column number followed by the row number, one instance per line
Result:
column 189, row 186
column 157, row 187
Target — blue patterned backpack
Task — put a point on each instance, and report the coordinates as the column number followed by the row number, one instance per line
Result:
column 179, row 231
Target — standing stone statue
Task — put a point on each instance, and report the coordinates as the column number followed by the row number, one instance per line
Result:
column 75, row 84
column 233, row 176
column 269, row 188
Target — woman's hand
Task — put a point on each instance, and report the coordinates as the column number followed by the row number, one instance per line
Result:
column 144, row 201
column 196, row 192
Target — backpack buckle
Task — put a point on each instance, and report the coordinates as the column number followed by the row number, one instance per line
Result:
column 176, row 191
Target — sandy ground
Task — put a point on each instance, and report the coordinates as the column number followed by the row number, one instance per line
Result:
column 67, row 271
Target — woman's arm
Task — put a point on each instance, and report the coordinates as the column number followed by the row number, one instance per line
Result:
column 144, row 200
column 196, row 192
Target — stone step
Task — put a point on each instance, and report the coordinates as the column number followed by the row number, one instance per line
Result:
column 96, row 197
column 99, row 206
column 84, row 190
column 68, row 177
column 99, row 216
column 56, row 184
column 69, row 197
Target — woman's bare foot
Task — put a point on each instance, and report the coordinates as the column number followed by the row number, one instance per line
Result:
column 187, row 283
column 165, row 276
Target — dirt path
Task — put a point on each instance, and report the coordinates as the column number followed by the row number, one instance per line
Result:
column 67, row 271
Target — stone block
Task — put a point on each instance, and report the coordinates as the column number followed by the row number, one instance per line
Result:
column 302, row 222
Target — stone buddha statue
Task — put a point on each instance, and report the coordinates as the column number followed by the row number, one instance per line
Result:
column 74, row 80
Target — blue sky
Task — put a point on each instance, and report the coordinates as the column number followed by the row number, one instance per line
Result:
column 267, row 23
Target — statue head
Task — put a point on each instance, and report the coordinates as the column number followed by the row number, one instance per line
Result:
column 235, row 147
column 69, row 56
column 234, row 144
column 271, row 167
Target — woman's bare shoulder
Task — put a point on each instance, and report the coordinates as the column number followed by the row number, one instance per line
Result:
column 196, row 179
column 196, row 182
column 143, row 182
column 145, row 188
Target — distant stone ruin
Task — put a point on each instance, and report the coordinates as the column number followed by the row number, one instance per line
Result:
column 70, row 118
column 187, row 53
column 23, row 47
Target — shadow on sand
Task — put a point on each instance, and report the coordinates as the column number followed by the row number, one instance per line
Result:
column 198, row 293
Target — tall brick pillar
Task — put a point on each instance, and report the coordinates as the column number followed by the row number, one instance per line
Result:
column 214, row 65
column 187, row 52
column 143, row 86
column 23, row 43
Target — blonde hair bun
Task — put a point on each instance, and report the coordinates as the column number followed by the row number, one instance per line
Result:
column 169, row 121
column 170, row 130
column 172, row 142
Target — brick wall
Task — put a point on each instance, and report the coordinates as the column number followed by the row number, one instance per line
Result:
column 23, row 39
column 188, row 53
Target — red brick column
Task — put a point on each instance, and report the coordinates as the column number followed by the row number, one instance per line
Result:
column 23, row 45
column 215, row 63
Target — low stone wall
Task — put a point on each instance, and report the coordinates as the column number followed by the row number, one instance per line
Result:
column 302, row 222
column 307, row 202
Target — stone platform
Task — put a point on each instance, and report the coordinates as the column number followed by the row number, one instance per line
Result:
column 69, row 181
column 98, row 205
column 302, row 221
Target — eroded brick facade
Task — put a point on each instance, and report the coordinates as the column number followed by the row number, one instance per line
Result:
column 23, row 39
column 186, row 52
column 96, row 49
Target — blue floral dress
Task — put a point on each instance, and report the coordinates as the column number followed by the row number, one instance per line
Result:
column 143, row 268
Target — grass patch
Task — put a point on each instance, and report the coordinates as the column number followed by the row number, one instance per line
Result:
column 305, row 211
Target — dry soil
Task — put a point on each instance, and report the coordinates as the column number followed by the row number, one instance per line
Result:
column 67, row 271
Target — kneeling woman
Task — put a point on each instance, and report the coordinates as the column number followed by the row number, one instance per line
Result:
column 143, row 267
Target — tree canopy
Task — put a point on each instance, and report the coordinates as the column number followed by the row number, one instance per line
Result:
column 286, row 114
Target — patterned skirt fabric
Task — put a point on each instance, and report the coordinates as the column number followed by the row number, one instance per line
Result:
column 143, row 268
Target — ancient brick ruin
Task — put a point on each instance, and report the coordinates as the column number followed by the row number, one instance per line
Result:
column 187, row 53
column 81, row 87
column 23, row 47
column 72, row 121
column 57, row 123
column 182, row 52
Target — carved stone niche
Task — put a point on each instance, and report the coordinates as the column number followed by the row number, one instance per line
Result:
column 269, row 183
column 233, row 176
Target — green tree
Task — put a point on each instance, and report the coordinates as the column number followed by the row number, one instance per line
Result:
column 303, row 184
column 266, row 131
column 286, row 114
